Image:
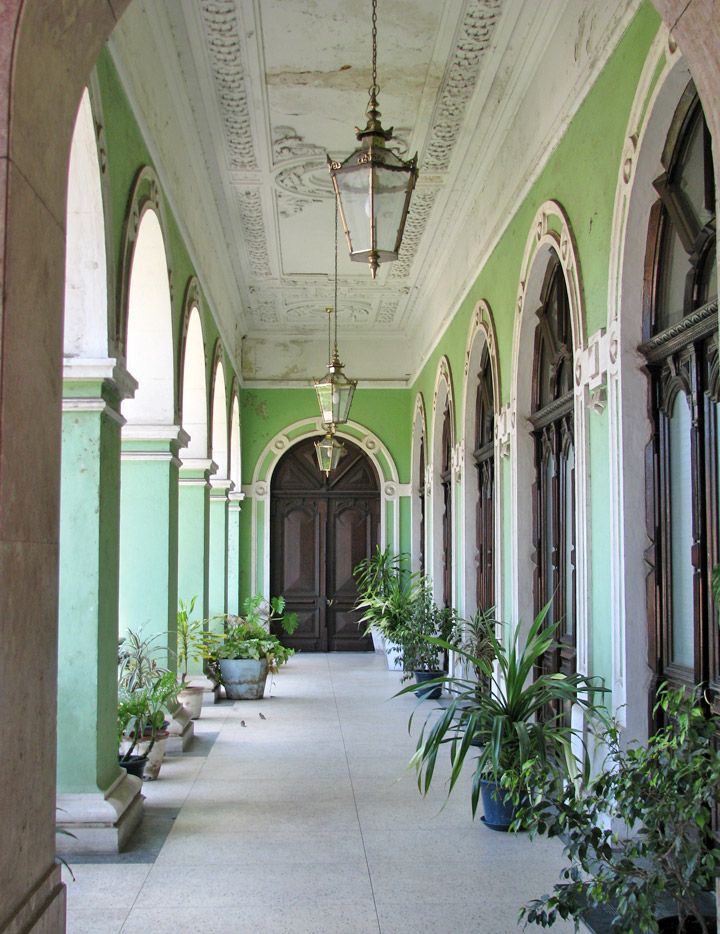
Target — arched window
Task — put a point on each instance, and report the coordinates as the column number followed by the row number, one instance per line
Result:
column 421, row 504
column 554, row 494
column 446, row 493
column 681, row 350
column 484, row 457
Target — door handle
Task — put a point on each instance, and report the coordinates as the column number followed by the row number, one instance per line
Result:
column 329, row 602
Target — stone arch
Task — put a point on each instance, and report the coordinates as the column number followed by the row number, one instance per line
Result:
column 193, row 392
column 661, row 85
column 481, row 335
column 220, row 451
column 235, row 453
column 442, row 396
column 418, row 484
column 87, row 279
column 259, row 490
column 550, row 236
column 146, row 309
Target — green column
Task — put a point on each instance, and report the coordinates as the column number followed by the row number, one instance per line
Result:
column 97, row 801
column 218, row 551
column 149, row 532
column 235, row 499
column 194, row 536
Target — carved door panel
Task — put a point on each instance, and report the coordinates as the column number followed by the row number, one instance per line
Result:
column 319, row 529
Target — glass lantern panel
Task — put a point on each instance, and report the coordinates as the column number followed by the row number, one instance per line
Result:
column 390, row 196
column 354, row 188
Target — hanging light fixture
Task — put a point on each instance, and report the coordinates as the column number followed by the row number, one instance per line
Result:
column 373, row 185
column 335, row 390
column 329, row 451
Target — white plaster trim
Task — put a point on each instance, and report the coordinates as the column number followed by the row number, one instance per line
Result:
column 220, row 488
column 541, row 243
column 235, row 501
column 92, row 405
column 259, row 490
column 134, row 431
column 404, row 489
column 481, row 334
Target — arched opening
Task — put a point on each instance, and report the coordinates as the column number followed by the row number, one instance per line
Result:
column 149, row 343
column 680, row 348
column 480, row 488
column 443, row 439
column 220, row 453
column 194, row 390
column 320, row 528
column 418, row 503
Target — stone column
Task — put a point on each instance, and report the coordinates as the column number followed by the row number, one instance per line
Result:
column 97, row 800
column 235, row 500
column 149, row 532
column 194, row 536
column 218, row 549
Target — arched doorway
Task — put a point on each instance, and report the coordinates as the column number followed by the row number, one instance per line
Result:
column 319, row 529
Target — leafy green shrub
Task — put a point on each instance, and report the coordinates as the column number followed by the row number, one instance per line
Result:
column 663, row 795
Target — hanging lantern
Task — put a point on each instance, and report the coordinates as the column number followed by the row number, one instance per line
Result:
column 373, row 185
column 329, row 451
column 334, row 391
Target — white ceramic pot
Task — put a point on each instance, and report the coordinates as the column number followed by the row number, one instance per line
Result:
column 393, row 653
column 192, row 698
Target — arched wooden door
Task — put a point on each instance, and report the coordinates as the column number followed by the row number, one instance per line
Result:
column 319, row 529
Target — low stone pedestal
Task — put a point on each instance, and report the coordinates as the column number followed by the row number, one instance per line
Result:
column 100, row 823
column 180, row 732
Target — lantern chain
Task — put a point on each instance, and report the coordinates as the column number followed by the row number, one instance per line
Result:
column 336, row 272
column 374, row 90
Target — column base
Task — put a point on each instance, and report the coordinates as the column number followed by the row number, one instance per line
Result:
column 181, row 732
column 43, row 909
column 100, row 824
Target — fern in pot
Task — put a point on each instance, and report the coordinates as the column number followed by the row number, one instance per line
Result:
column 248, row 651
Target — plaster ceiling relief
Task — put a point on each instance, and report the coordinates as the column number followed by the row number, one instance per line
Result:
column 247, row 98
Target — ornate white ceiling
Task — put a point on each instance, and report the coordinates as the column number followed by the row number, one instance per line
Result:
column 240, row 101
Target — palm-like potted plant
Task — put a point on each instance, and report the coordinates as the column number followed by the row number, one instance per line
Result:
column 519, row 719
column 248, row 651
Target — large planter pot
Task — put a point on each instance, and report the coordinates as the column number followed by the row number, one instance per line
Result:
column 434, row 690
column 378, row 640
column 393, row 653
column 498, row 809
column 244, row 678
column 192, row 698
column 135, row 765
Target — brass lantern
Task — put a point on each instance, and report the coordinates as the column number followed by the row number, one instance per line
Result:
column 335, row 390
column 329, row 451
column 373, row 185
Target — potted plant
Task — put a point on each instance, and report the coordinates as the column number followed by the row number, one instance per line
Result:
column 194, row 644
column 142, row 725
column 387, row 592
column 520, row 719
column 248, row 651
column 426, row 621
column 639, row 835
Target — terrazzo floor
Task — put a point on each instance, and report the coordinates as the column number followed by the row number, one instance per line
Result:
column 297, row 815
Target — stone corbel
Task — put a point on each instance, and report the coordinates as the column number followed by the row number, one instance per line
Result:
column 591, row 369
column 504, row 425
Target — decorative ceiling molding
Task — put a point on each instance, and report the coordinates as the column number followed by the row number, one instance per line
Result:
column 225, row 51
column 288, row 146
column 420, row 208
column 253, row 224
column 474, row 39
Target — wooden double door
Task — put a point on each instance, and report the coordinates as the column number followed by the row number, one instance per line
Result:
column 319, row 529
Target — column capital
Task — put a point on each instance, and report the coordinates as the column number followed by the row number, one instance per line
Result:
column 196, row 470
column 96, row 385
column 235, row 500
column 220, row 488
column 153, row 442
